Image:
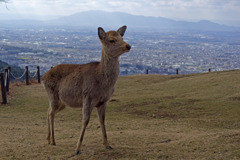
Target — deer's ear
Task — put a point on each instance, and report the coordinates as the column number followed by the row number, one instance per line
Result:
column 122, row 30
column 101, row 33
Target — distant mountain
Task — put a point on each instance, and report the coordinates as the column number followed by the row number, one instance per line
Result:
column 101, row 18
column 107, row 19
column 112, row 19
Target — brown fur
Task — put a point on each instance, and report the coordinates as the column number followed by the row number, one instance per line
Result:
column 87, row 86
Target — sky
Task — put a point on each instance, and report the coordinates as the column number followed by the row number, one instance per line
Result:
column 220, row 11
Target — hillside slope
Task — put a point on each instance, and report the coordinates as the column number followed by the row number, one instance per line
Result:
column 149, row 117
column 182, row 96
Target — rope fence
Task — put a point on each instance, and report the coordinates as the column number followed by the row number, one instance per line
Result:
column 177, row 71
column 18, row 78
column 34, row 75
column 5, row 80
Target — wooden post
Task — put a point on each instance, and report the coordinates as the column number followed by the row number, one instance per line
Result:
column 4, row 95
column 9, row 71
column 38, row 74
column 177, row 71
column 7, row 80
column 27, row 76
column 146, row 71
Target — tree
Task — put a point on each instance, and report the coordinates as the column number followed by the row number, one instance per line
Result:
column 5, row 1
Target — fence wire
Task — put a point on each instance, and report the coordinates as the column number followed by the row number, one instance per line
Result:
column 18, row 78
column 35, row 74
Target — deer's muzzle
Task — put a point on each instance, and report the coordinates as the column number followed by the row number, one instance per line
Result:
column 128, row 47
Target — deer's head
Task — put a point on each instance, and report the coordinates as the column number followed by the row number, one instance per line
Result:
column 112, row 42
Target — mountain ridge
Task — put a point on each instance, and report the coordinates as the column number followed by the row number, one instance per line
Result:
column 115, row 19
column 102, row 18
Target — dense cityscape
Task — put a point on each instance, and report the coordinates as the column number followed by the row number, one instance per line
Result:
column 159, row 52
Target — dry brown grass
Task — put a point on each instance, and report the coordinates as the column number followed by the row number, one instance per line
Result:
column 149, row 117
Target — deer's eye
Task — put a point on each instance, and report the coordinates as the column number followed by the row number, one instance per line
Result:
column 112, row 41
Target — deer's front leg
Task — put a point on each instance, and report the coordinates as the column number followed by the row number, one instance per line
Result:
column 86, row 111
column 101, row 115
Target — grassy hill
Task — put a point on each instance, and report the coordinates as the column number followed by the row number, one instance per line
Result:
column 149, row 117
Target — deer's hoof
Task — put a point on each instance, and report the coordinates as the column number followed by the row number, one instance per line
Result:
column 109, row 147
column 53, row 144
column 78, row 152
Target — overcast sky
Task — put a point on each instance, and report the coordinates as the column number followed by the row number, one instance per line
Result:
column 221, row 11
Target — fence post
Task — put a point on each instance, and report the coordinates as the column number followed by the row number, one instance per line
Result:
column 9, row 71
column 27, row 76
column 38, row 74
column 7, row 80
column 4, row 96
column 146, row 71
column 177, row 71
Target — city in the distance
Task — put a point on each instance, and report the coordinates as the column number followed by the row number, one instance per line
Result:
column 159, row 48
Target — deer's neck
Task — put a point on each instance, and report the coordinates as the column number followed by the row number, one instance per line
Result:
column 109, row 68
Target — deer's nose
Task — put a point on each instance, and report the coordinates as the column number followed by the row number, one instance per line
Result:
column 128, row 47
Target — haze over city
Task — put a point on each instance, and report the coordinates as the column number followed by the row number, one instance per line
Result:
column 220, row 11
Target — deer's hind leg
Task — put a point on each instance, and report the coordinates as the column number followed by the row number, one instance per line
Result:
column 53, row 109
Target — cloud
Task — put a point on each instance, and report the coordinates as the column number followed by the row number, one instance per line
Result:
column 215, row 10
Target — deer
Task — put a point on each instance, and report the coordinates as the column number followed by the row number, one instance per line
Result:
column 86, row 86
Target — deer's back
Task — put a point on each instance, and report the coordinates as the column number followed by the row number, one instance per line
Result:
column 69, row 73
column 53, row 77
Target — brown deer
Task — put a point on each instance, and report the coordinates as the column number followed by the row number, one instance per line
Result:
column 86, row 85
